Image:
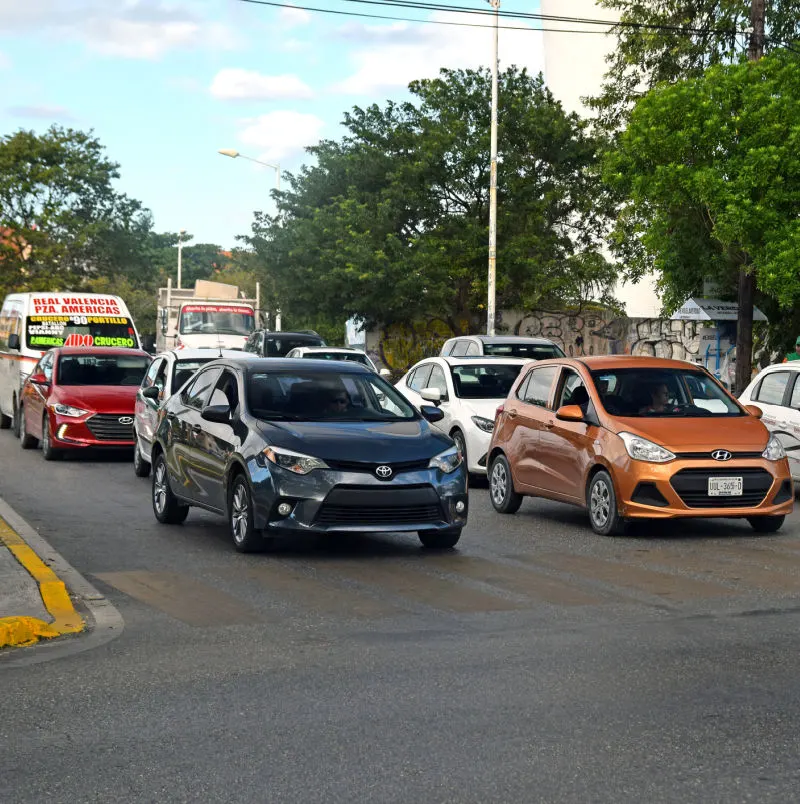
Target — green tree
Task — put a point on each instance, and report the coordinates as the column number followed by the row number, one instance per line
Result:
column 711, row 168
column 62, row 222
column 391, row 224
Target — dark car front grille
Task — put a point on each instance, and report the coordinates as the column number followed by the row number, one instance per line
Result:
column 107, row 427
column 367, row 505
column 369, row 467
column 691, row 486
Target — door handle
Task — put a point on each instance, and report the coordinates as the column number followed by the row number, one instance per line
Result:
column 512, row 414
column 170, row 416
column 196, row 428
column 550, row 424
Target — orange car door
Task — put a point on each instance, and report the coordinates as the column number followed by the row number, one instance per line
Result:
column 566, row 446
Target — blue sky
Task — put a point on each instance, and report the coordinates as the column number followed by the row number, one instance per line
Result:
column 164, row 85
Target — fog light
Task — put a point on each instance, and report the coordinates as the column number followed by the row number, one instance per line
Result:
column 284, row 509
column 460, row 507
column 61, row 431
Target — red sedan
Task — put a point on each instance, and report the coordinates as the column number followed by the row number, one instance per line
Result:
column 78, row 398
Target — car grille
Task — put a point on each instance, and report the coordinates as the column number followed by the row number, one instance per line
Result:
column 387, row 515
column 370, row 467
column 704, row 456
column 691, row 486
column 107, row 427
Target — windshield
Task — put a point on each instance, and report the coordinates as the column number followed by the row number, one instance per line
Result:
column 353, row 357
column 530, row 351
column 487, row 381
column 184, row 369
column 315, row 396
column 215, row 319
column 48, row 331
column 278, row 346
column 99, row 369
column 663, row 392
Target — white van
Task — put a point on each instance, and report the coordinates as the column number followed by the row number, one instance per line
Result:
column 32, row 323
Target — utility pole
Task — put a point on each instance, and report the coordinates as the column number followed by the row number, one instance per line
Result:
column 180, row 254
column 490, row 303
column 747, row 280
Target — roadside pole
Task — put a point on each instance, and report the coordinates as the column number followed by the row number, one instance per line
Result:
column 490, row 304
column 747, row 281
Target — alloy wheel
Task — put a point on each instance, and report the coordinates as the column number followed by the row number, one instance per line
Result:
column 240, row 514
column 600, row 503
column 499, row 483
column 160, row 487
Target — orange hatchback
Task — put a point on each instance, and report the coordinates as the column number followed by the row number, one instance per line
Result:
column 636, row 438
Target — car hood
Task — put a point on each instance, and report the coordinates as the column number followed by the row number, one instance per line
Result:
column 736, row 434
column 99, row 398
column 369, row 442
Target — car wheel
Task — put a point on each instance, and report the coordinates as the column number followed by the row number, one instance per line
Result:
column 501, row 487
column 166, row 507
column 440, row 539
column 602, row 503
column 49, row 452
column 246, row 539
column 25, row 441
column 766, row 524
column 461, row 446
column 15, row 417
column 141, row 468
column 5, row 421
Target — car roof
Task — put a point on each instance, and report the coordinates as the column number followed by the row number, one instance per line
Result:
column 511, row 339
column 284, row 332
column 488, row 359
column 609, row 362
column 99, row 350
column 312, row 349
column 284, row 364
column 200, row 354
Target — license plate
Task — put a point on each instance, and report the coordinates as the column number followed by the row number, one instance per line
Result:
column 724, row 486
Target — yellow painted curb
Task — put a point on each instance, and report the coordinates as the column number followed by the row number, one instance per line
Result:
column 20, row 631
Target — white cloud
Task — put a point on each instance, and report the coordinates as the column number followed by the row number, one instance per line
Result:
column 232, row 83
column 41, row 112
column 393, row 55
column 291, row 17
column 281, row 134
column 136, row 29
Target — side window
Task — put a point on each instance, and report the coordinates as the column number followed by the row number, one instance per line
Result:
column 438, row 381
column 410, row 377
column 772, row 388
column 150, row 377
column 447, row 348
column 226, row 391
column 794, row 403
column 540, row 381
column 572, row 390
column 472, row 349
column 523, row 387
column 421, row 376
column 460, row 349
column 197, row 393
column 46, row 366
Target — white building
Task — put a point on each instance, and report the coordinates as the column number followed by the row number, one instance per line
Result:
column 574, row 68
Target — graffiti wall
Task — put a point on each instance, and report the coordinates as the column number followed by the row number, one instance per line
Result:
column 586, row 333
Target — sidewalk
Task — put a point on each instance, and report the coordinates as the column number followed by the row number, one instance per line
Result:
column 34, row 602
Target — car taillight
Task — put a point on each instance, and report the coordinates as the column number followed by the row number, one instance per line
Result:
column 499, row 410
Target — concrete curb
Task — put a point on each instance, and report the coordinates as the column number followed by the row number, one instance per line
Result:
column 59, row 584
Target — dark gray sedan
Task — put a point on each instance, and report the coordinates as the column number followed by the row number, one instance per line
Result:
column 281, row 446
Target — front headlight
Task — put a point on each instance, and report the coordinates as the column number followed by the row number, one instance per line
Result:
column 293, row 461
column 640, row 449
column 774, row 450
column 68, row 410
column 487, row 425
column 448, row 461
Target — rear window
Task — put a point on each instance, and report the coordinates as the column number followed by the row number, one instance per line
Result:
column 352, row 357
column 484, row 381
column 277, row 346
column 99, row 369
column 529, row 351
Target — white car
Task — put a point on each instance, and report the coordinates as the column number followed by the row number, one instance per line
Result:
column 776, row 391
column 168, row 372
column 336, row 353
column 468, row 391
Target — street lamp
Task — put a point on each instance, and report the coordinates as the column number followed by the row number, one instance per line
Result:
column 181, row 233
column 490, row 315
column 234, row 154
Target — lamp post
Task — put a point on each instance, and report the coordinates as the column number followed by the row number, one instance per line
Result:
column 234, row 154
column 490, row 302
column 180, row 254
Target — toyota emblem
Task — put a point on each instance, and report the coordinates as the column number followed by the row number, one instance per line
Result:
column 125, row 420
column 384, row 472
column 721, row 455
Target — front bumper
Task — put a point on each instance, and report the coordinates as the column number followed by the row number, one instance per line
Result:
column 93, row 430
column 336, row 501
column 679, row 489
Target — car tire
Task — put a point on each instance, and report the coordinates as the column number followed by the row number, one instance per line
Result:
column 601, row 500
column 141, row 468
column 166, row 506
column 766, row 524
column 5, row 421
column 26, row 441
column 501, row 487
column 439, row 539
column 241, row 519
column 461, row 446
column 15, row 424
column 49, row 452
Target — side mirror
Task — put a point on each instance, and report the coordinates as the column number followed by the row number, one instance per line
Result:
column 13, row 341
column 754, row 410
column 151, row 392
column 221, row 414
column 431, row 395
column 431, row 413
column 570, row 413
column 385, row 373
column 39, row 379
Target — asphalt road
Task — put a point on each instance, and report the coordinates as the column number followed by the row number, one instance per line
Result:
column 537, row 662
